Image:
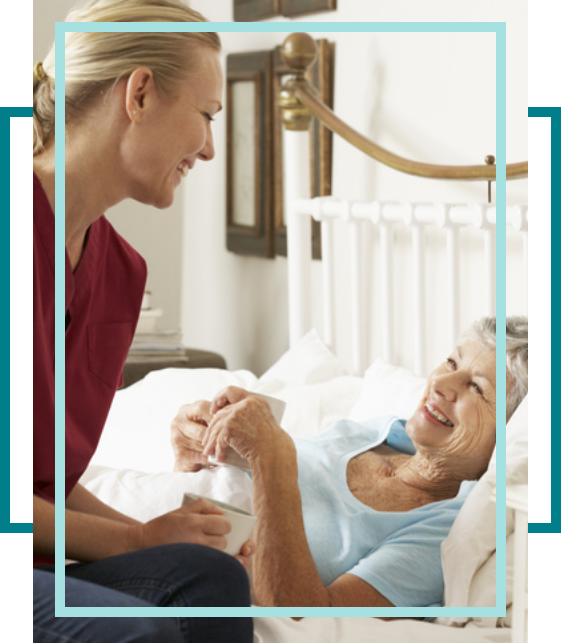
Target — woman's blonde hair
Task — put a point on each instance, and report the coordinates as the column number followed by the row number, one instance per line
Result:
column 95, row 61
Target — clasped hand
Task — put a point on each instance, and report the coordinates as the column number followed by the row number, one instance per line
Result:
column 234, row 418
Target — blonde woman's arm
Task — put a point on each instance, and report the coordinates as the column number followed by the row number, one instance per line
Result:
column 105, row 532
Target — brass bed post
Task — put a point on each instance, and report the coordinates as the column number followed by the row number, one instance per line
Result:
column 299, row 102
column 297, row 119
column 298, row 52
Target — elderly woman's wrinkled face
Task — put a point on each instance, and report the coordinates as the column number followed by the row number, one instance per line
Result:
column 457, row 414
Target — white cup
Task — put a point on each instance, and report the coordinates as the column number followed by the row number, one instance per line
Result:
column 232, row 458
column 242, row 522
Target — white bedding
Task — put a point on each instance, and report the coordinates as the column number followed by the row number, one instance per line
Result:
column 369, row 630
column 132, row 471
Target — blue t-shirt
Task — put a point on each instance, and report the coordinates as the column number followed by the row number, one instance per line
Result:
column 397, row 553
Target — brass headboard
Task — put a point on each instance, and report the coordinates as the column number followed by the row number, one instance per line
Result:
column 299, row 103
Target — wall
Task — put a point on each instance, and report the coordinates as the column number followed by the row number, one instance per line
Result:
column 427, row 96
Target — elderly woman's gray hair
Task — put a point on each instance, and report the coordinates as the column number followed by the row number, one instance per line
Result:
column 484, row 331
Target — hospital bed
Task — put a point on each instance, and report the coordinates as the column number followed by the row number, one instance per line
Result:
column 387, row 359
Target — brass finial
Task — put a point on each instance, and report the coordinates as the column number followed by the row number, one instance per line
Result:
column 298, row 52
column 489, row 160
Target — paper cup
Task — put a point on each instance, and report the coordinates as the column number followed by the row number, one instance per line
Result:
column 235, row 460
column 242, row 522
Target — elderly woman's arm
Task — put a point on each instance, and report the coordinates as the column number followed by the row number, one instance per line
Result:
column 285, row 574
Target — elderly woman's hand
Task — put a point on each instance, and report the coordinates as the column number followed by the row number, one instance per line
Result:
column 244, row 422
column 187, row 431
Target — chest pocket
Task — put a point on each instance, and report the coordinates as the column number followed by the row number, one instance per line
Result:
column 108, row 345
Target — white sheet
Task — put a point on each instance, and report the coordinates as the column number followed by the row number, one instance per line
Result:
column 368, row 630
column 136, row 434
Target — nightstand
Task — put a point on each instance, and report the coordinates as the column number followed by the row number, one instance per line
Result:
column 141, row 362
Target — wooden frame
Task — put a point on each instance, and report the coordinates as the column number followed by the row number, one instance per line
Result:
column 321, row 77
column 254, row 237
column 250, row 10
column 299, row 7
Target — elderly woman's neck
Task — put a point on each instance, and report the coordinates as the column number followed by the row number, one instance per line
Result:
column 438, row 475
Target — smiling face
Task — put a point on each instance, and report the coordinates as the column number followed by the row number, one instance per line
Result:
column 457, row 415
column 167, row 135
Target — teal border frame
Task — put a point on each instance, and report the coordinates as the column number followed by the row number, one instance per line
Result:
column 553, row 527
column 499, row 29
column 6, row 113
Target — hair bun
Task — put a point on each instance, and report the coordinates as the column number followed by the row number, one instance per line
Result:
column 39, row 72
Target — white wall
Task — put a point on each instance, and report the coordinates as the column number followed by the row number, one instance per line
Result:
column 427, row 96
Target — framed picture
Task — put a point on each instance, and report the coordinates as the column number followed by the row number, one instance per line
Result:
column 249, row 10
column 249, row 199
column 320, row 76
column 299, row 7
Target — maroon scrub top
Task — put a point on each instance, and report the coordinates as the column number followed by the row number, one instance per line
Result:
column 103, row 299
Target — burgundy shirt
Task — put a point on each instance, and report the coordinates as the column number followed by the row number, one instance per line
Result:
column 103, row 299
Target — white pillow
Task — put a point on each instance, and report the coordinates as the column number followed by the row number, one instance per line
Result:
column 516, row 447
column 308, row 362
column 468, row 552
column 314, row 384
column 388, row 390
column 313, row 408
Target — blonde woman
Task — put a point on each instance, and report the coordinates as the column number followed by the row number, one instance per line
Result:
column 139, row 109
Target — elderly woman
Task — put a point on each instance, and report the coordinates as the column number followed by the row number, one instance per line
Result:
column 355, row 516
column 139, row 108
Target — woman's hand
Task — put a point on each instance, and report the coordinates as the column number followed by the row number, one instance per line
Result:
column 245, row 557
column 200, row 522
column 187, row 431
column 246, row 423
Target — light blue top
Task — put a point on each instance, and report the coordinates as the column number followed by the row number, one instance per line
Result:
column 398, row 553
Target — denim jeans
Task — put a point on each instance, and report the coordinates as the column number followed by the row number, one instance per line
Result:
column 171, row 575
